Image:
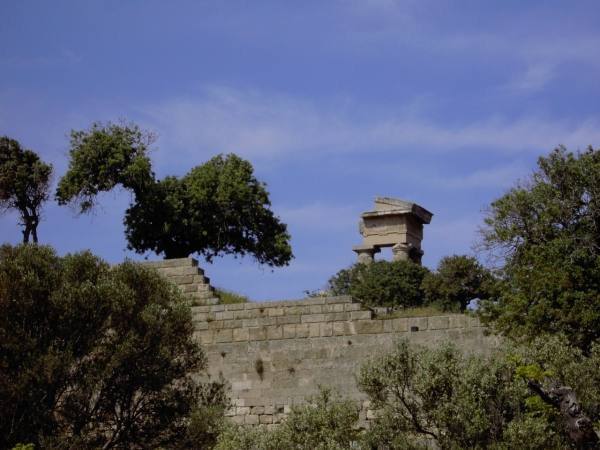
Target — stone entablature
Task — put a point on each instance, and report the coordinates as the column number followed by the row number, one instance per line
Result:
column 394, row 223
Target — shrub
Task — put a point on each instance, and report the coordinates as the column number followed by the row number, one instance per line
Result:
column 381, row 283
column 457, row 281
column 93, row 356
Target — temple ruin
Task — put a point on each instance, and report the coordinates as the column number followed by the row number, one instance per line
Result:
column 394, row 223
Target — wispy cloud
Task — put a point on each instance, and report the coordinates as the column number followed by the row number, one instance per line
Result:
column 269, row 126
column 321, row 217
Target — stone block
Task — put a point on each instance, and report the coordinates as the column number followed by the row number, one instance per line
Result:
column 182, row 279
column 361, row 315
column 241, row 334
column 287, row 320
column 275, row 312
column 311, row 318
column 338, row 329
column 232, row 324
column 206, row 337
column 315, row 309
column 289, row 331
column 224, row 335
column 352, row 307
column 419, row 322
column 242, row 410
column 400, row 325
column 457, row 321
column 251, row 419
column 326, row 329
column 238, row 420
column 438, row 323
column 275, row 332
column 388, row 326
column 250, row 323
column 257, row 410
column 368, row 326
column 302, row 330
column 264, row 418
column 257, row 333
column 314, row 330
column 215, row 324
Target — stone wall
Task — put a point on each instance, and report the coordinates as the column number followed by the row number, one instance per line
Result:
column 276, row 354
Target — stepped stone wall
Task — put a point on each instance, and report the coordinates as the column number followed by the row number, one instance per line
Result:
column 276, row 354
column 189, row 278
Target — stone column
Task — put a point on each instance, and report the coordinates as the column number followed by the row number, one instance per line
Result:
column 401, row 252
column 365, row 253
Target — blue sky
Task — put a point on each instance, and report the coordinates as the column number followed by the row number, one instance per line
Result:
column 445, row 103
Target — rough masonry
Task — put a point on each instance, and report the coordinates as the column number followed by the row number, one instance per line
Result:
column 277, row 354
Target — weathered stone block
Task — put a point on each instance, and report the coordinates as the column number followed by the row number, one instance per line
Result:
column 289, row 331
column 352, row 307
column 251, row 419
column 316, row 309
column 275, row 312
column 275, row 332
column 420, row 322
column 368, row 326
column 311, row 318
column 287, row 319
column 456, row 321
column 438, row 323
column 302, row 330
column 314, row 330
column 257, row 333
column 224, row 335
column 400, row 325
column 326, row 329
column 361, row 315
column 264, row 418
column 241, row 334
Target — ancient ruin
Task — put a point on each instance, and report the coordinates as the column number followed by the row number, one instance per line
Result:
column 394, row 223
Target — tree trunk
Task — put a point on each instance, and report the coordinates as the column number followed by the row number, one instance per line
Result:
column 577, row 424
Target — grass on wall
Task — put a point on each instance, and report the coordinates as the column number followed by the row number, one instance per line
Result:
column 229, row 297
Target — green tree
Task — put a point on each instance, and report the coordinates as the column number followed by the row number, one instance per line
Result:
column 217, row 208
column 458, row 280
column 381, row 283
column 456, row 401
column 93, row 356
column 24, row 184
column 548, row 232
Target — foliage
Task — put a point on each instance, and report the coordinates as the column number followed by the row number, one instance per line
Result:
column 93, row 356
column 327, row 423
column 103, row 157
column 24, row 184
column 548, row 231
column 381, row 283
column 459, row 402
column 457, row 281
column 217, row 208
column 228, row 297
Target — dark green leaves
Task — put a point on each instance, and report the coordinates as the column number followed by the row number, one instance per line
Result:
column 24, row 184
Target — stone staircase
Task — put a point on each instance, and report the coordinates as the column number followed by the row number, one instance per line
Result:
column 188, row 277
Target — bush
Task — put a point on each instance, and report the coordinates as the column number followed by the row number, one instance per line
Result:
column 327, row 423
column 475, row 402
column 93, row 356
column 457, row 281
column 381, row 283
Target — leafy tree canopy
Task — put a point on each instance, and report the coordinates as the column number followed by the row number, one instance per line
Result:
column 24, row 184
column 217, row 208
column 458, row 280
column 96, row 357
column 381, row 283
column 475, row 402
column 548, row 231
